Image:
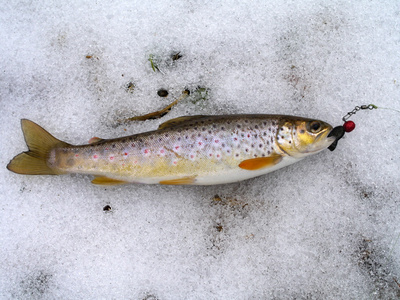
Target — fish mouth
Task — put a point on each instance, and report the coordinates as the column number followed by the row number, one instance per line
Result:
column 322, row 142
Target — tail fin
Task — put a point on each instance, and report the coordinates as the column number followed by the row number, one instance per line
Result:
column 40, row 143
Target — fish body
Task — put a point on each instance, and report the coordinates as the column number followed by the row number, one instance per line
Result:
column 197, row 150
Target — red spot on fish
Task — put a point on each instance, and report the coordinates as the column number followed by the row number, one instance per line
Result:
column 175, row 162
column 126, row 153
column 235, row 139
column 210, row 154
column 135, row 162
column 200, row 143
column 192, row 156
column 111, row 157
column 106, row 148
column 248, row 135
column 95, row 156
column 146, row 151
column 162, row 151
column 76, row 155
column 177, row 147
column 217, row 141
column 218, row 155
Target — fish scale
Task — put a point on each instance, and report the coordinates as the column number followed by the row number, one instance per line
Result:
column 194, row 150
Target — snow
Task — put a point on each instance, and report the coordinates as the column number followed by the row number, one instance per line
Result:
column 324, row 228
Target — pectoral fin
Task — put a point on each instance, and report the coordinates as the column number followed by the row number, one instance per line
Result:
column 102, row 180
column 180, row 181
column 260, row 162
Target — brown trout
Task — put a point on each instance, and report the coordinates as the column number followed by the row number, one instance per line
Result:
column 193, row 150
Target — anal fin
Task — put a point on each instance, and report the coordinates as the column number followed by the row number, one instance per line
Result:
column 180, row 181
column 260, row 162
column 103, row 180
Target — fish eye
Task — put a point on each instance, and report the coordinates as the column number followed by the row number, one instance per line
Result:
column 315, row 126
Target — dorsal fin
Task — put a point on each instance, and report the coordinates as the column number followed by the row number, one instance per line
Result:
column 95, row 139
column 179, row 121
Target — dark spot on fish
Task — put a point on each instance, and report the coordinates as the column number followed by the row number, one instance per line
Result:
column 273, row 123
column 107, row 208
column 123, row 140
column 242, row 134
column 209, row 131
column 222, row 128
column 238, row 126
column 140, row 140
column 247, row 150
column 186, row 137
column 160, row 139
column 260, row 145
column 113, row 146
column 282, row 137
column 255, row 155
column 263, row 155
column 179, row 138
column 269, row 152
column 70, row 162
column 282, row 129
column 228, row 151
column 256, row 127
column 166, row 135
column 265, row 123
column 237, row 155
column 203, row 129
column 195, row 128
column 269, row 129
column 290, row 142
column 214, row 126
column 199, row 134
column 223, row 145
column 302, row 131
column 265, row 133
column 246, row 121
column 252, row 145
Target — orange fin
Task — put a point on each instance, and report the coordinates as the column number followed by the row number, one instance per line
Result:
column 95, row 140
column 179, row 121
column 260, row 162
column 180, row 181
column 103, row 180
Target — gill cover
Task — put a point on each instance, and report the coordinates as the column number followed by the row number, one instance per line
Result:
column 302, row 137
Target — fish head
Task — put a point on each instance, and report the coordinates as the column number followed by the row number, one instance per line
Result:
column 300, row 137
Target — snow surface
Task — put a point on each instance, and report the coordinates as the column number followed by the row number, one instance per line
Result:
column 324, row 228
